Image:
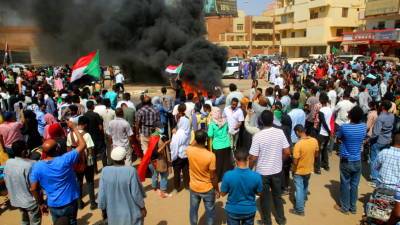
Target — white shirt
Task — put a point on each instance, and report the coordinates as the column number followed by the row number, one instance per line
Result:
column 268, row 145
column 106, row 114
column 119, row 78
column 285, row 100
column 88, row 139
column 234, row 117
column 342, row 108
column 128, row 103
column 327, row 111
column 332, row 98
column 188, row 112
column 280, row 82
column 234, row 94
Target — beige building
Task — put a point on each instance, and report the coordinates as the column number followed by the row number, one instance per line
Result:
column 244, row 35
column 314, row 26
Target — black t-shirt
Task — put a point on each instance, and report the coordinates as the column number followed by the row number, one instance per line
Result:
column 93, row 129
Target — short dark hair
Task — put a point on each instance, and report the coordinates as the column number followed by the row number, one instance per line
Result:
column 19, row 148
column 299, row 128
column 232, row 87
column 182, row 107
column 294, row 104
column 201, row 137
column 90, row 104
column 83, row 120
column 164, row 90
column 119, row 112
column 323, row 98
column 107, row 102
column 190, row 96
column 267, row 118
column 235, row 100
column 73, row 108
column 386, row 105
column 127, row 96
column 356, row 114
column 241, row 155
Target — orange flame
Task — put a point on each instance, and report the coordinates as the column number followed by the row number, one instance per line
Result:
column 189, row 88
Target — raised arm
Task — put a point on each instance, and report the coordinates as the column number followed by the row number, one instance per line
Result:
column 81, row 142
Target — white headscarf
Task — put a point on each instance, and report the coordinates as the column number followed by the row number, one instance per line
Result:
column 181, row 139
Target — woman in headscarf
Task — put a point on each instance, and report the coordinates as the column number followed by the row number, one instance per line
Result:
column 50, row 120
column 30, row 130
column 179, row 143
column 221, row 143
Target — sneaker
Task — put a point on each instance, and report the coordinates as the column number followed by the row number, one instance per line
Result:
column 338, row 208
column 81, row 205
column 295, row 212
column 164, row 194
column 326, row 168
column 317, row 172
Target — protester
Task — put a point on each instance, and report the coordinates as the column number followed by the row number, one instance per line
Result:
column 121, row 194
column 304, row 153
column 234, row 116
column 147, row 117
column 16, row 175
column 241, row 185
column 55, row 175
column 10, row 131
column 269, row 148
column 203, row 179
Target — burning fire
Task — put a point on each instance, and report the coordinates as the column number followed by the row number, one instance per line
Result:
column 190, row 89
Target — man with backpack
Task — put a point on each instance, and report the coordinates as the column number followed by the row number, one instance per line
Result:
column 85, row 166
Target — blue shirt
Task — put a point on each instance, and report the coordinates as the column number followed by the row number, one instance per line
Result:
column 298, row 116
column 241, row 185
column 57, row 178
column 352, row 137
column 113, row 98
column 388, row 165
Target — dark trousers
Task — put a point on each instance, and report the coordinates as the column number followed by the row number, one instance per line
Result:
column 239, row 219
column 223, row 158
column 310, row 130
column 70, row 211
column 120, row 87
column 89, row 176
column 272, row 189
column 101, row 151
column 181, row 166
column 322, row 159
column 286, row 174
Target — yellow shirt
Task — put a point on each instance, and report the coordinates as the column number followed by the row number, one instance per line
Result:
column 304, row 152
column 201, row 163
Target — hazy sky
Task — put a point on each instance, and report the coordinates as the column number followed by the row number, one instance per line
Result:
column 253, row 7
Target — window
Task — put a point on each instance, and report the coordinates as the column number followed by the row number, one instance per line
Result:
column 397, row 24
column 339, row 32
column 239, row 38
column 313, row 15
column 305, row 33
column 284, row 34
column 293, row 34
column 239, row 27
column 345, row 12
column 381, row 25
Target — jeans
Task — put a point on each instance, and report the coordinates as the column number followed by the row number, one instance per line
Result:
column 154, row 178
column 31, row 216
column 239, row 219
column 322, row 159
column 272, row 187
column 350, row 173
column 301, row 185
column 375, row 149
column 70, row 211
column 209, row 205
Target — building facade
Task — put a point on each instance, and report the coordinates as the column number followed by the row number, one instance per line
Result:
column 244, row 35
column 315, row 26
column 381, row 33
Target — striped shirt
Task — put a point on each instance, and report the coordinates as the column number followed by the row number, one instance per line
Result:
column 268, row 145
column 352, row 137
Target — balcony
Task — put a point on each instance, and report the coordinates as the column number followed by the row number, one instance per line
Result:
column 262, row 31
column 285, row 26
column 303, row 41
column 284, row 10
column 262, row 43
column 234, row 43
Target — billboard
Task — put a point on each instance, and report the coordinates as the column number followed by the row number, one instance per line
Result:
column 220, row 7
column 380, row 7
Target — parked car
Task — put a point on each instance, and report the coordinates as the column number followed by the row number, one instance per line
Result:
column 353, row 58
column 232, row 69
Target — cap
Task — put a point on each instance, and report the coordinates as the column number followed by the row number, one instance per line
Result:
column 118, row 153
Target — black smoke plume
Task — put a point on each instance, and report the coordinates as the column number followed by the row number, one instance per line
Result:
column 143, row 36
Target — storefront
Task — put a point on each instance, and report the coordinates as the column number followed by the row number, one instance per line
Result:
column 365, row 42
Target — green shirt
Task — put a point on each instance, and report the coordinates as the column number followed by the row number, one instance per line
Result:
column 219, row 135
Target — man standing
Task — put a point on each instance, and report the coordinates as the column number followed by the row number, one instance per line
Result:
column 56, row 176
column 388, row 166
column 203, row 179
column 381, row 135
column 119, row 81
column 121, row 194
column 234, row 116
column 10, row 131
column 304, row 153
column 298, row 117
column 16, row 173
column 126, row 98
column 234, row 93
column 121, row 134
column 324, row 133
column 352, row 136
column 268, row 150
column 147, row 117
column 241, row 185
column 107, row 114
column 113, row 96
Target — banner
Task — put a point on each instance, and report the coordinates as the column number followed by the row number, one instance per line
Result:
column 220, row 7
column 380, row 7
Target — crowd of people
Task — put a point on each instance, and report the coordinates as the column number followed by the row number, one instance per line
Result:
column 243, row 144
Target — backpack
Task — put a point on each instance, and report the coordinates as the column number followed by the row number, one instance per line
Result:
column 80, row 166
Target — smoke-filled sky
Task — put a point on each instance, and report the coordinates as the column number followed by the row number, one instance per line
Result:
column 143, row 36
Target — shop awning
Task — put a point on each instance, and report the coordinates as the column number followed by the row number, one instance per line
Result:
column 355, row 43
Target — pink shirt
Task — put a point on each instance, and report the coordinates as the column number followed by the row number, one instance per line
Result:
column 11, row 132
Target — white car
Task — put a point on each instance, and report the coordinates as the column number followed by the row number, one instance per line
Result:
column 353, row 58
column 232, row 69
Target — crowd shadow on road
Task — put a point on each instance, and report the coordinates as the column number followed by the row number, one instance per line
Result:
column 162, row 222
column 334, row 190
column 219, row 213
column 85, row 218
